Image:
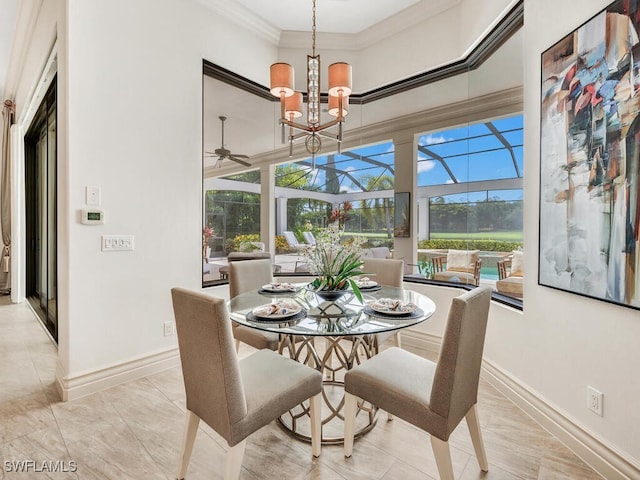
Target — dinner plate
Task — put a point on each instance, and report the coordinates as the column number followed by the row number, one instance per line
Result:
column 277, row 310
column 276, row 287
column 392, row 306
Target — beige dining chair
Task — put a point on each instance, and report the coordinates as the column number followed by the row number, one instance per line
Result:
column 243, row 277
column 386, row 271
column 434, row 397
column 235, row 398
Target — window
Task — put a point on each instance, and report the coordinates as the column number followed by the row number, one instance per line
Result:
column 472, row 178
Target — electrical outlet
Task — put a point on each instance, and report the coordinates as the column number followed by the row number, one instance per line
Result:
column 169, row 329
column 594, row 400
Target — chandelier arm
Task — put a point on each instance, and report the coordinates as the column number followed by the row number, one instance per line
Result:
column 296, row 125
column 298, row 135
column 329, row 135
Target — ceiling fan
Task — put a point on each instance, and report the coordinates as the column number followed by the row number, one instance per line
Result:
column 223, row 153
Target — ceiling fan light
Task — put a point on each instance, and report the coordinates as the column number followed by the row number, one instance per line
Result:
column 334, row 106
column 340, row 79
column 293, row 105
column 281, row 79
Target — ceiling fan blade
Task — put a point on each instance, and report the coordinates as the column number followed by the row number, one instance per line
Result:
column 240, row 156
column 237, row 160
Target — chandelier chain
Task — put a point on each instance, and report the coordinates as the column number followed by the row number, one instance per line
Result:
column 313, row 30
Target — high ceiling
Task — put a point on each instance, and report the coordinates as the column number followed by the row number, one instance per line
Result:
column 336, row 16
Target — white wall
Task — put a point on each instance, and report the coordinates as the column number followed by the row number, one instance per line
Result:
column 565, row 342
column 134, row 122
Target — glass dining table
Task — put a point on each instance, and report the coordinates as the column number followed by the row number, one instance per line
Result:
column 331, row 335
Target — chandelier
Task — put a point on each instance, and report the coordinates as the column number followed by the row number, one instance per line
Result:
column 282, row 86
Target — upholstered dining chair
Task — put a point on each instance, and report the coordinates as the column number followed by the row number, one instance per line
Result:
column 235, row 398
column 434, row 397
column 388, row 272
column 243, row 277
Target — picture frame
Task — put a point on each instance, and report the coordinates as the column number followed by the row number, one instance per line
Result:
column 590, row 159
column 402, row 215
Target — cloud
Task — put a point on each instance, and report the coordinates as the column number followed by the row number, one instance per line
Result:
column 433, row 139
column 426, row 165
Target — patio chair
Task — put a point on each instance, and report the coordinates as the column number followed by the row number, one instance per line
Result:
column 458, row 266
column 293, row 243
column 309, row 238
column 511, row 275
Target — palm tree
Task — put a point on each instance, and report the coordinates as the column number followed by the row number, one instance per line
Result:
column 374, row 209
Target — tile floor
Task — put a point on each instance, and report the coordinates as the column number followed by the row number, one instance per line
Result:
column 134, row 431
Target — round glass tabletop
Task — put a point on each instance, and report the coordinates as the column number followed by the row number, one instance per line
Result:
column 305, row 312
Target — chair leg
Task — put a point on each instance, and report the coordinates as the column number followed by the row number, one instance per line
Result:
column 316, row 424
column 443, row 458
column 396, row 340
column 473, row 422
column 190, row 430
column 234, row 461
column 237, row 342
column 350, row 410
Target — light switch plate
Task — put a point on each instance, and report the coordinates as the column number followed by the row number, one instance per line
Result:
column 117, row 243
column 92, row 195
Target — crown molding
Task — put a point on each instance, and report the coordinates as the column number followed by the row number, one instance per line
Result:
column 243, row 17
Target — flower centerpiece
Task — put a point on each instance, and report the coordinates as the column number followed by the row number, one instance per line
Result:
column 335, row 263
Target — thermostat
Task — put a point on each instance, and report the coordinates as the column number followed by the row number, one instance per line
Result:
column 92, row 216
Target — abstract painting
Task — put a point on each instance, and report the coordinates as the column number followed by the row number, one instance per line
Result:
column 590, row 158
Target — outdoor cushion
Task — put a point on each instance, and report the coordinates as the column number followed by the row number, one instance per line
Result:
column 462, row 260
column 517, row 265
column 510, row 286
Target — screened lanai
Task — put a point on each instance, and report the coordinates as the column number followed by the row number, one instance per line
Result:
column 468, row 185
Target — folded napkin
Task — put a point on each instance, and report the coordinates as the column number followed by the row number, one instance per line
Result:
column 279, row 309
column 392, row 305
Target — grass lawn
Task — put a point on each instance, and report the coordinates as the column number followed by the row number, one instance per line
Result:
column 513, row 236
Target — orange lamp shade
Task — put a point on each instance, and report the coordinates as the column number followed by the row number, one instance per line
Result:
column 293, row 105
column 281, row 79
column 339, row 79
column 334, row 105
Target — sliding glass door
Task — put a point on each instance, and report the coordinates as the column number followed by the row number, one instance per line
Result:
column 41, row 220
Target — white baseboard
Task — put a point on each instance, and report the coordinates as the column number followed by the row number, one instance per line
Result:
column 70, row 388
column 605, row 459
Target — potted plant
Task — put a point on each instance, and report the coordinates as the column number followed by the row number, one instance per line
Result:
column 335, row 263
